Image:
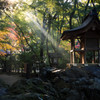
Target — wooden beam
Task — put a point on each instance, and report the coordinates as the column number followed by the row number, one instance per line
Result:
column 93, row 57
column 99, row 56
column 72, row 49
column 99, row 52
column 71, row 57
column 83, row 57
column 82, row 47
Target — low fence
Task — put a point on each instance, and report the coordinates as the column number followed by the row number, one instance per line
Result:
column 20, row 69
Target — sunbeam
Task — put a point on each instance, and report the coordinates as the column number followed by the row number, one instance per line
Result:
column 33, row 18
column 12, row 1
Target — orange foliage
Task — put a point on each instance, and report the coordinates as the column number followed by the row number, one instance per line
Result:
column 8, row 40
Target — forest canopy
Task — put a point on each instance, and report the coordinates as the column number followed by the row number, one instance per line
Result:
column 33, row 27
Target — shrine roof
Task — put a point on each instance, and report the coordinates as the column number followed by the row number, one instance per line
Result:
column 87, row 23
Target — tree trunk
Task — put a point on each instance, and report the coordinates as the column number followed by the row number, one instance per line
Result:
column 4, row 66
column 49, row 26
column 28, row 71
column 86, row 7
column 72, row 14
column 42, row 41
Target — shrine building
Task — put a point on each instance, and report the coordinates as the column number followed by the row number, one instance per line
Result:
column 88, row 37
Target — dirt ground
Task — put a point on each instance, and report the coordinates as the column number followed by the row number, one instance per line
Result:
column 9, row 79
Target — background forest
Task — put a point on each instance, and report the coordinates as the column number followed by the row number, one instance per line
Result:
column 31, row 29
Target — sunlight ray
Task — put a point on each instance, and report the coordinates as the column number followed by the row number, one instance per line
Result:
column 50, row 38
column 12, row 1
column 33, row 18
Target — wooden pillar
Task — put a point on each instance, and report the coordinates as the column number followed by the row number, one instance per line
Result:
column 72, row 60
column 83, row 57
column 25, row 67
column 99, row 52
column 82, row 46
column 99, row 56
column 71, row 57
column 93, row 57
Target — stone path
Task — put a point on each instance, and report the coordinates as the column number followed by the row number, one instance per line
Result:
column 9, row 79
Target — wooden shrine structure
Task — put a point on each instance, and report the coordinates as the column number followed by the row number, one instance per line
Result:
column 88, row 36
column 54, row 59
